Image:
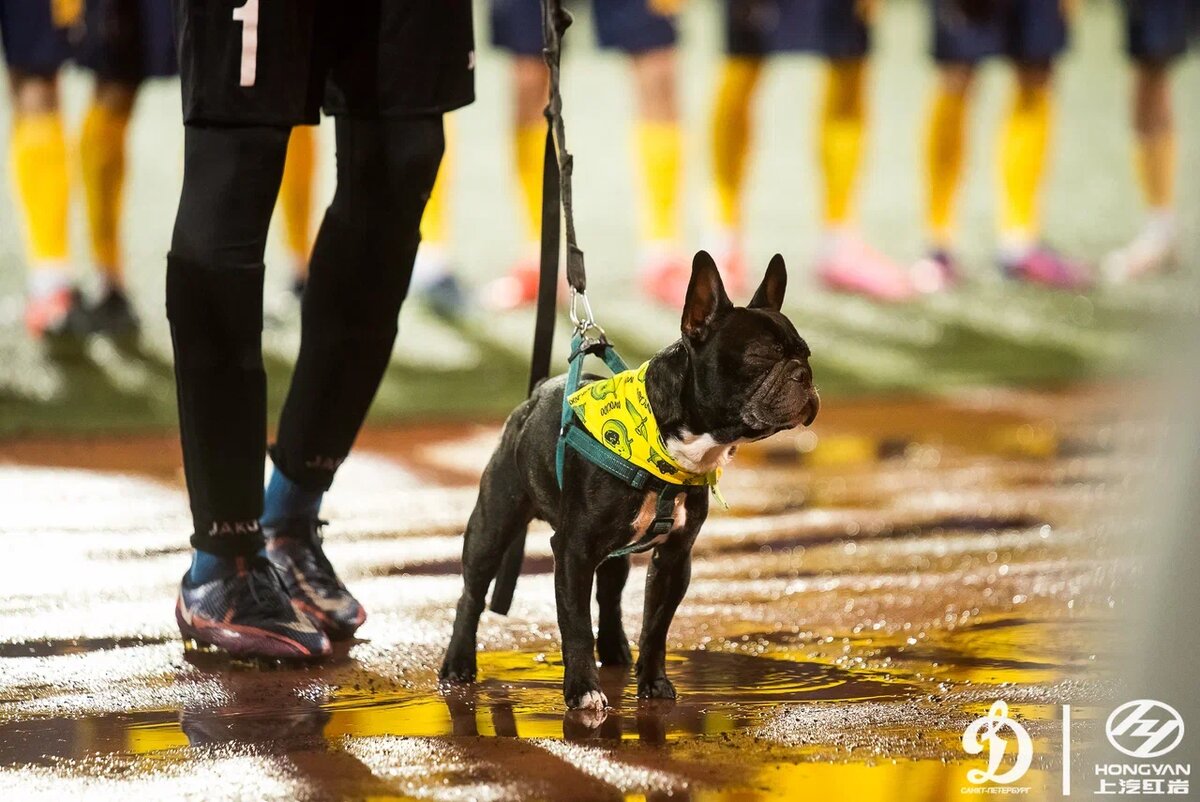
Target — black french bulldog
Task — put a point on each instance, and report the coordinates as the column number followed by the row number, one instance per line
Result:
column 737, row 375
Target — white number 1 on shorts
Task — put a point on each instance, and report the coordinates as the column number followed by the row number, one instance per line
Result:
column 247, row 14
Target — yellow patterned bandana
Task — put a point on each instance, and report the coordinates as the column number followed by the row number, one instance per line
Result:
column 617, row 412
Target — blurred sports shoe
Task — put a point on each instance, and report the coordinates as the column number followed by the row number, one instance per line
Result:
column 113, row 315
column 1152, row 251
column 731, row 260
column 849, row 264
column 1040, row 264
column 445, row 297
column 512, row 291
column 936, row 272
column 665, row 272
column 248, row 613
column 664, row 275
column 295, row 549
column 434, row 282
column 58, row 314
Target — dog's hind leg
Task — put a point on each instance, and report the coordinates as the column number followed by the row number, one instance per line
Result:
column 502, row 514
column 612, row 647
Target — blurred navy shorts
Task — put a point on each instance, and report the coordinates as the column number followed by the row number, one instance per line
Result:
column 626, row 25
column 1026, row 31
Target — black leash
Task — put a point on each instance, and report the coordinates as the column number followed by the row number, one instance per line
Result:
column 557, row 206
column 587, row 336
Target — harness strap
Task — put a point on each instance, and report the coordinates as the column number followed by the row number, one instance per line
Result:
column 579, row 349
column 595, row 452
column 664, row 522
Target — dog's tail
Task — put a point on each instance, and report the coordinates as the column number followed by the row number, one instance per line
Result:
column 506, row 577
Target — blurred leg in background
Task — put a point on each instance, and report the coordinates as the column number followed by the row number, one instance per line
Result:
column 1031, row 34
column 659, row 148
column 645, row 31
column 35, row 47
column 732, row 135
column 945, row 152
column 516, row 29
column 754, row 30
column 433, row 281
column 845, row 261
column 296, row 202
column 840, row 32
column 123, row 43
column 1156, row 36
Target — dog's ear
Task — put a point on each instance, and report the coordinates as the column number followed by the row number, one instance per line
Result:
column 706, row 298
column 769, row 294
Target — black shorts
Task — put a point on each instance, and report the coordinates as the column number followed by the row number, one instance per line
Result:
column 127, row 40
column 279, row 62
column 1159, row 31
column 830, row 28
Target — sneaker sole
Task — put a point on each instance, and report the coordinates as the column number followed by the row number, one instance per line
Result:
column 240, row 641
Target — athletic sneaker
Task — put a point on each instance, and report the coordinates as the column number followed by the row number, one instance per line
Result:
column 1043, row 265
column 665, row 276
column 1152, row 251
column 295, row 549
column 444, row 296
column 937, row 272
column 731, row 261
column 113, row 315
column 515, row 290
column 59, row 314
column 248, row 613
column 849, row 264
column 665, row 273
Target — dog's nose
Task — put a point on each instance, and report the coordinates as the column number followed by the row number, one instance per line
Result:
column 798, row 371
column 814, row 406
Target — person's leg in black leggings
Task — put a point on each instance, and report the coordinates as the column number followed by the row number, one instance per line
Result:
column 359, row 275
column 214, row 304
column 361, row 265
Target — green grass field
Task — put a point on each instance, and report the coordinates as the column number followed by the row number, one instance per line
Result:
column 991, row 332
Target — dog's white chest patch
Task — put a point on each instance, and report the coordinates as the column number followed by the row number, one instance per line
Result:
column 700, row 453
column 645, row 516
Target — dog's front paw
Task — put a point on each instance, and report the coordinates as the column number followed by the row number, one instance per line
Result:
column 584, row 696
column 613, row 650
column 657, row 688
column 458, row 668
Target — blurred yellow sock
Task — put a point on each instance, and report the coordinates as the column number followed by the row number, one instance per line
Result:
column 731, row 136
column 529, row 142
column 39, row 164
column 945, row 145
column 435, row 223
column 1024, row 144
column 1156, row 169
column 296, row 194
column 841, row 137
column 102, row 161
column 660, row 150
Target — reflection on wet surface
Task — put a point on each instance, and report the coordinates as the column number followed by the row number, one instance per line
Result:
column 874, row 589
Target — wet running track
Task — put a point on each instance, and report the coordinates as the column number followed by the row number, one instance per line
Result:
column 877, row 584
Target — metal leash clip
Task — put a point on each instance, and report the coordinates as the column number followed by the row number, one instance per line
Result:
column 585, row 325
